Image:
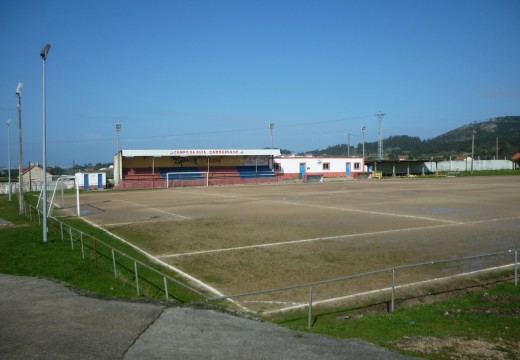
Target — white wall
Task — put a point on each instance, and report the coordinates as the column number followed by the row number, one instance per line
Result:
column 314, row 165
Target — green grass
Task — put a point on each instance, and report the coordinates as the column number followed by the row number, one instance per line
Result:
column 490, row 316
column 23, row 252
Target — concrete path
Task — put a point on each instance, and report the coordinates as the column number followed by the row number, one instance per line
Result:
column 43, row 319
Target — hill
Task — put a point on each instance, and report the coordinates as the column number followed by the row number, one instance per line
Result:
column 457, row 142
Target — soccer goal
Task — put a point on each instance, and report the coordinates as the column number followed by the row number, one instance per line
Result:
column 187, row 178
column 58, row 183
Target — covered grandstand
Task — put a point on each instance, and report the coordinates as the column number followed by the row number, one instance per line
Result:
column 170, row 168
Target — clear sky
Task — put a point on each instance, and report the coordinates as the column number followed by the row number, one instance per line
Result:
column 181, row 74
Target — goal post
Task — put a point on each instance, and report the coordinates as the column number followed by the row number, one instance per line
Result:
column 187, row 178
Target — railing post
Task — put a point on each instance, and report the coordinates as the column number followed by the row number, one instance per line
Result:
column 392, row 304
column 309, row 321
column 516, row 268
column 95, row 250
column 71, row 240
column 114, row 262
column 136, row 279
column 82, row 247
column 166, row 288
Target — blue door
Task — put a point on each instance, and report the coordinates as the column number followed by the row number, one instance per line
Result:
column 302, row 169
column 100, row 181
column 348, row 169
column 85, row 182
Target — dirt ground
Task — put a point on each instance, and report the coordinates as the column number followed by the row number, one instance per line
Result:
column 247, row 238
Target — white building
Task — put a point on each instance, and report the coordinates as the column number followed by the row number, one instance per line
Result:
column 301, row 167
column 91, row 181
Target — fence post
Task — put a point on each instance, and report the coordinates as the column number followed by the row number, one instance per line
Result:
column 95, row 250
column 516, row 268
column 392, row 304
column 114, row 262
column 71, row 240
column 309, row 321
column 82, row 248
column 166, row 288
column 61, row 230
column 136, row 279
column 39, row 220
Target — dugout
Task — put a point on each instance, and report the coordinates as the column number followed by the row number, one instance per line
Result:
column 191, row 167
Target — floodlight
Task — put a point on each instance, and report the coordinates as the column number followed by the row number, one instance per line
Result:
column 19, row 89
column 45, row 51
column 8, row 122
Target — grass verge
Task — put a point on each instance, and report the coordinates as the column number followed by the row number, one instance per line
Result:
column 80, row 261
column 481, row 324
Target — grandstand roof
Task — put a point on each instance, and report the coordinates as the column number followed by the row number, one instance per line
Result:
column 201, row 152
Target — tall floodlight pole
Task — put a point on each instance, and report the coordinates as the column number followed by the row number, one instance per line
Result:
column 118, row 130
column 8, row 122
column 472, row 148
column 271, row 127
column 43, row 54
column 363, row 140
column 380, row 142
column 21, row 203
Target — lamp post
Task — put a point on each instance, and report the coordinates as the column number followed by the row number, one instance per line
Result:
column 43, row 54
column 472, row 148
column 21, row 203
column 8, row 122
column 363, row 140
column 271, row 127
column 118, row 130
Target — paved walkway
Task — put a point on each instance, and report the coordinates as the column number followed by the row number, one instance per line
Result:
column 42, row 319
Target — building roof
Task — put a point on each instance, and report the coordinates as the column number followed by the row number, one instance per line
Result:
column 201, row 152
column 35, row 165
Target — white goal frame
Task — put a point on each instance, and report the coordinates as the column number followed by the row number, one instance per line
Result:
column 204, row 176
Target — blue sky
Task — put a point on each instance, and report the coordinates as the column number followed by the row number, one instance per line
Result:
column 213, row 74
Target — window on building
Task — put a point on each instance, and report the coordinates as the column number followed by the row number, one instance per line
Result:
column 326, row 166
column 277, row 167
column 357, row 166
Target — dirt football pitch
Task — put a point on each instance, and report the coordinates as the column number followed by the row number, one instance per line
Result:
column 245, row 238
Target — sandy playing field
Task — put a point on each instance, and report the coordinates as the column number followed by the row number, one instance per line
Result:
column 247, row 238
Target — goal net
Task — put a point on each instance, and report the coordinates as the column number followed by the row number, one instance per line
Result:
column 187, row 178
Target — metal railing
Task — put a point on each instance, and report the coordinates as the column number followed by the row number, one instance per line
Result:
column 311, row 286
column 79, row 237
column 117, row 257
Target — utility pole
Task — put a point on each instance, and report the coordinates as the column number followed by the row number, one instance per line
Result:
column 363, row 139
column 348, row 146
column 496, row 157
column 472, row 148
column 380, row 142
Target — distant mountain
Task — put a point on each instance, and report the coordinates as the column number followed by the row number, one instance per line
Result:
column 453, row 143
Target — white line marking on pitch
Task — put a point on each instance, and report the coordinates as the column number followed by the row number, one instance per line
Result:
column 136, row 222
column 151, row 208
column 247, row 247
column 330, row 207
column 298, row 241
column 171, row 267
